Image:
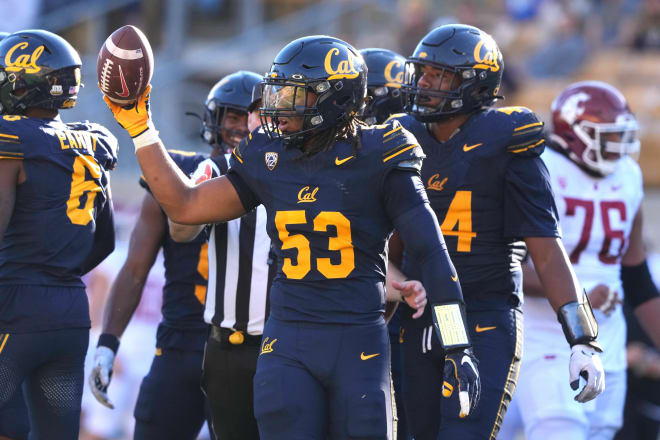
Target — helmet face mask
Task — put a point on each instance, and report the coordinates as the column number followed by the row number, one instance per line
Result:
column 38, row 69
column 593, row 124
column 224, row 123
column 386, row 75
column 606, row 143
column 315, row 83
column 289, row 108
column 466, row 65
column 440, row 92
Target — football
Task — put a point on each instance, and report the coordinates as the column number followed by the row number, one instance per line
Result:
column 125, row 65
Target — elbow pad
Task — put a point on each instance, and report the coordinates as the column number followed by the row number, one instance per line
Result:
column 638, row 286
column 579, row 323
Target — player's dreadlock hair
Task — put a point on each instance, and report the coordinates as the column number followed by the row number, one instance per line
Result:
column 343, row 132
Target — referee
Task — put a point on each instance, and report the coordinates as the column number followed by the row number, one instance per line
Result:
column 241, row 270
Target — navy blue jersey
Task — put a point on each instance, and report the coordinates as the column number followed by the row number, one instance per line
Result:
column 327, row 220
column 489, row 189
column 186, row 272
column 51, row 231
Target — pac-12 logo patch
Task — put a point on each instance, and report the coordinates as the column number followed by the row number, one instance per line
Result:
column 271, row 160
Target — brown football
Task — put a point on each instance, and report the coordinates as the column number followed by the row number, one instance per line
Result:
column 125, row 65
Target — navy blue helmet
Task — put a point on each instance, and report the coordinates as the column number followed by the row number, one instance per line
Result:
column 38, row 69
column 233, row 92
column 383, row 84
column 318, row 78
column 467, row 53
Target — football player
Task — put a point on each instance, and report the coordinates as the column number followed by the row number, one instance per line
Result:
column 333, row 191
column 383, row 84
column 490, row 191
column 385, row 98
column 56, row 224
column 170, row 403
column 598, row 190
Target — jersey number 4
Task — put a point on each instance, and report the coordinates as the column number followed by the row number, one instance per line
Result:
column 610, row 234
column 82, row 215
column 458, row 221
column 341, row 243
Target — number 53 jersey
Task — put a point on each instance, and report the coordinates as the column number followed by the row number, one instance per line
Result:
column 327, row 220
column 51, row 230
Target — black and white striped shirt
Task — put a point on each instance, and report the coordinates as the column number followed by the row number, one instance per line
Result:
column 241, row 266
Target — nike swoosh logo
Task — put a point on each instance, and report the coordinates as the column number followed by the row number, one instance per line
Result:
column 454, row 278
column 124, row 91
column 471, row 147
column 341, row 161
column 364, row 357
column 480, row 329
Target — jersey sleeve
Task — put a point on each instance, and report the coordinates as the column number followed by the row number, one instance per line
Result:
column 241, row 173
column 529, row 206
column 525, row 131
column 400, row 149
column 11, row 145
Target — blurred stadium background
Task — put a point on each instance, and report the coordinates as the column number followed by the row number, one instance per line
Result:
column 546, row 44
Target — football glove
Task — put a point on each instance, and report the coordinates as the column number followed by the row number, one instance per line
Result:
column 585, row 362
column 135, row 118
column 461, row 378
column 99, row 379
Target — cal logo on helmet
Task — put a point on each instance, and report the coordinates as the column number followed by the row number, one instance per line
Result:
column 394, row 73
column 26, row 60
column 339, row 68
column 486, row 54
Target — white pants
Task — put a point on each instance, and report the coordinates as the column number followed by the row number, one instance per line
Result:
column 543, row 405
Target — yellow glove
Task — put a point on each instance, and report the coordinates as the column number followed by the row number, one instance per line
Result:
column 135, row 118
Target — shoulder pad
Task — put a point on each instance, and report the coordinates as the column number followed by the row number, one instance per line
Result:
column 398, row 147
column 525, row 131
column 11, row 146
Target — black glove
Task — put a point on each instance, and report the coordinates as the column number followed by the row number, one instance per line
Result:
column 461, row 385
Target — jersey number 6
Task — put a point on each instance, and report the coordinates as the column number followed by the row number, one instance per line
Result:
column 81, row 186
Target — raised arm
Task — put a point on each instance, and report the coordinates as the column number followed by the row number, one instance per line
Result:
column 213, row 201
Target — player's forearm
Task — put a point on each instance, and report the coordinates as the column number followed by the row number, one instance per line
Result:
column 169, row 185
column 554, row 271
column 421, row 234
column 184, row 233
column 393, row 274
column 123, row 300
column 531, row 282
column 647, row 314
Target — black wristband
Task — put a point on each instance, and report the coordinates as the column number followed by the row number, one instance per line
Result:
column 638, row 286
column 110, row 341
